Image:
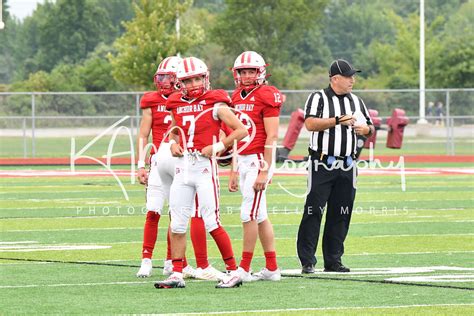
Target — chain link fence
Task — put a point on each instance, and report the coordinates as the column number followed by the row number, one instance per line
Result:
column 41, row 124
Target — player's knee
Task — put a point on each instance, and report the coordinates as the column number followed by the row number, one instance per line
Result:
column 210, row 224
column 178, row 227
column 261, row 219
column 154, row 205
column 245, row 217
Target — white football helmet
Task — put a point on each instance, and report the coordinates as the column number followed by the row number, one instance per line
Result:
column 250, row 60
column 165, row 76
column 189, row 68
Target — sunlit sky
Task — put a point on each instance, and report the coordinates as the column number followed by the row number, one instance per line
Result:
column 23, row 8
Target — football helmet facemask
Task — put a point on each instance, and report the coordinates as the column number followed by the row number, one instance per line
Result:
column 165, row 76
column 193, row 67
column 249, row 60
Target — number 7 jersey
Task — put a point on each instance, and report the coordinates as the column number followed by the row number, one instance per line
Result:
column 197, row 118
column 261, row 102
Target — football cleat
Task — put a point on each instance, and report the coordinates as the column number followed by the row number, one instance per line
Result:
column 267, row 275
column 145, row 269
column 175, row 280
column 209, row 273
column 232, row 279
column 244, row 275
column 167, row 267
column 189, row 272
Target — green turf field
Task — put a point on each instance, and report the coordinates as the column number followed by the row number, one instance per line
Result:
column 426, row 230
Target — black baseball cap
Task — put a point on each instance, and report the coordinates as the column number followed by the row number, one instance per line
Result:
column 342, row 67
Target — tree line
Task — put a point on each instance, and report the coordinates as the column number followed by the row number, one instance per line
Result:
column 116, row 45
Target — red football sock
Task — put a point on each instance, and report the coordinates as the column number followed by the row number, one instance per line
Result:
column 222, row 240
column 271, row 262
column 168, row 245
column 150, row 232
column 178, row 265
column 246, row 260
column 185, row 262
column 199, row 240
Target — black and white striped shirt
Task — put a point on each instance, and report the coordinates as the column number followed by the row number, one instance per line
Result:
column 339, row 140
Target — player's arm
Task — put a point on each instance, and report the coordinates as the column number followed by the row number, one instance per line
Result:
column 239, row 131
column 271, row 129
column 233, row 183
column 176, row 149
column 314, row 123
column 142, row 141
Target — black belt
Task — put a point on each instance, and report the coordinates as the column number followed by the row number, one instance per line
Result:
column 319, row 155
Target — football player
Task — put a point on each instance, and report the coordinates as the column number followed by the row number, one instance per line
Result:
column 257, row 105
column 156, row 119
column 197, row 114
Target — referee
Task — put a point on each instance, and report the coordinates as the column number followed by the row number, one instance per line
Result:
column 333, row 116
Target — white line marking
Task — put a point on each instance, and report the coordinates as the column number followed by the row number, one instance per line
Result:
column 371, row 271
column 436, row 278
column 71, row 284
column 407, row 253
column 71, row 229
column 322, row 309
column 416, row 235
column 32, row 248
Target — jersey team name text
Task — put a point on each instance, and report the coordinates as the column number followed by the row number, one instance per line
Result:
column 161, row 108
column 244, row 107
column 189, row 108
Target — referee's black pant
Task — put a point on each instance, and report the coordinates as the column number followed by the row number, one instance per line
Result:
column 336, row 188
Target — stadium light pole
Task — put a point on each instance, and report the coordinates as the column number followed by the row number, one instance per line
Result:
column 422, row 119
column 177, row 30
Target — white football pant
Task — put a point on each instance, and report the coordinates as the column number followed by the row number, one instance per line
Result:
column 160, row 178
column 254, row 204
column 194, row 174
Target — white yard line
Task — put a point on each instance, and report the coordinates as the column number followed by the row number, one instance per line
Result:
column 55, row 247
column 72, row 284
column 322, row 309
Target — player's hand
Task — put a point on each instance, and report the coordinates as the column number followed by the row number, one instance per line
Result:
column 207, row 151
column 233, row 182
column 261, row 181
column 142, row 176
column 347, row 120
column 362, row 129
column 176, row 150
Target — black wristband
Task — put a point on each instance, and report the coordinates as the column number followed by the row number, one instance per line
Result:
column 337, row 120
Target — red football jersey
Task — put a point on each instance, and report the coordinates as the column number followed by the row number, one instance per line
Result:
column 161, row 118
column 198, row 118
column 263, row 101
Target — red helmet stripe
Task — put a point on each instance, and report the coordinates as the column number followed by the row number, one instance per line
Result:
column 166, row 62
column 192, row 64
column 242, row 59
column 185, row 61
column 248, row 57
